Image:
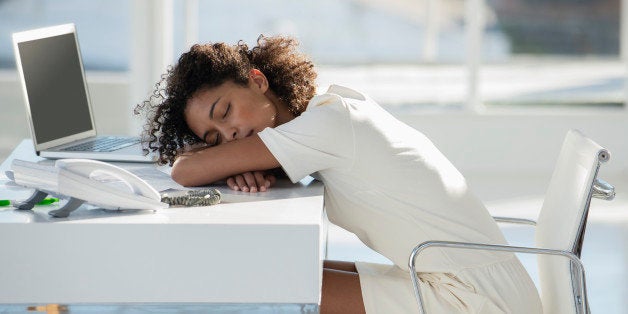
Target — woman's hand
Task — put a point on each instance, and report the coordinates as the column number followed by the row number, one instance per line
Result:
column 253, row 181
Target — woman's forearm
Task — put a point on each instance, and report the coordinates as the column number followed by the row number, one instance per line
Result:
column 217, row 163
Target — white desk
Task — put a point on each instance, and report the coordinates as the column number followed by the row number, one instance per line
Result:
column 268, row 250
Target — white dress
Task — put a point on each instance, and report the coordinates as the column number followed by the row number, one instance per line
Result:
column 390, row 186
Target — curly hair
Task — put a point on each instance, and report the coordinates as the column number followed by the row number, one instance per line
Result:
column 291, row 77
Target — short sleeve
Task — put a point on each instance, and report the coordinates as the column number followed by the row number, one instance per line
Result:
column 320, row 138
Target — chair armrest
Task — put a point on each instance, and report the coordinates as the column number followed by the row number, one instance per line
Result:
column 491, row 247
column 603, row 190
column 514, row 220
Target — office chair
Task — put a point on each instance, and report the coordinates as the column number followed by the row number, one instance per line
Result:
column 560, row 228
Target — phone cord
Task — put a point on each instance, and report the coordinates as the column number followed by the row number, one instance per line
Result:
column 204, row 197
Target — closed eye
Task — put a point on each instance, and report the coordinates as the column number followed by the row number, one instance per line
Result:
column 217, row 141
column 217, row 138
column 227, row 111
column 211, row 139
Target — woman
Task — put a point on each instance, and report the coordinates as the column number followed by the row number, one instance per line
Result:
column 254, row 110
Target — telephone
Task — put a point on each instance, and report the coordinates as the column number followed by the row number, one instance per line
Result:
column 84, row 181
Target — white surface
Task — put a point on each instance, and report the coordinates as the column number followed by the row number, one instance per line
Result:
column 263, row 251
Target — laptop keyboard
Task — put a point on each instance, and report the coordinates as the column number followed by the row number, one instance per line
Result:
column 103, row 144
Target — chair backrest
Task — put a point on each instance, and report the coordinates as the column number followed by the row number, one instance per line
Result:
column 562, row 220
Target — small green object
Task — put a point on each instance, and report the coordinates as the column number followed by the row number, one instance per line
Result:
column 48, row 201
column 45, row 201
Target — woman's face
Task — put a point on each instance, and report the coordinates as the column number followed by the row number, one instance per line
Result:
column 229, row 112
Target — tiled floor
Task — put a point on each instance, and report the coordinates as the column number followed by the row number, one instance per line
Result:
column 605, row 253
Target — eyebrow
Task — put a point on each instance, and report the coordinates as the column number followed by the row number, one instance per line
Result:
column 211, row 116
column 211, row 111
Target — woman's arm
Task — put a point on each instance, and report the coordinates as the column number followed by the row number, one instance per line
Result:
column 217, row 163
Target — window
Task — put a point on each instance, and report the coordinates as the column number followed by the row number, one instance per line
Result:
column 384, row 47
column 408, row 54
column 413, row 54
column 556, row 53
column 103, row 28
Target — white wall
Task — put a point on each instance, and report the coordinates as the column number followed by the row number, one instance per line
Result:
column 525, row 143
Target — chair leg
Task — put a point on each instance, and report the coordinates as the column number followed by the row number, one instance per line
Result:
column 579, row 288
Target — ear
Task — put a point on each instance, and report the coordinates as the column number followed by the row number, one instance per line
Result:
column 258, row 80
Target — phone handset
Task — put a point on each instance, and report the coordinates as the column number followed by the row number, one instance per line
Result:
column 92, row 169
column 78, row 178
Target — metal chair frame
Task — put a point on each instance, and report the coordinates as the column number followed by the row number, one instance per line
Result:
column 493, row 247
column 599, row 189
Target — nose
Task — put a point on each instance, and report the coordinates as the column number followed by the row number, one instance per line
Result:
column 230, row 134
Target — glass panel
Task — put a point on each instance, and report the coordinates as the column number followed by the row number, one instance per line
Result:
column 552, row 52
column 103, row 28
column 217, row 308
column 392, row 50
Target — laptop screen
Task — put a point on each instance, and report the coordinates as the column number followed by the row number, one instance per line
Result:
column 55, row 86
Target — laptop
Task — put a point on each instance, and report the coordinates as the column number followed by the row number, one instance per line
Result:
column 57, row 100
